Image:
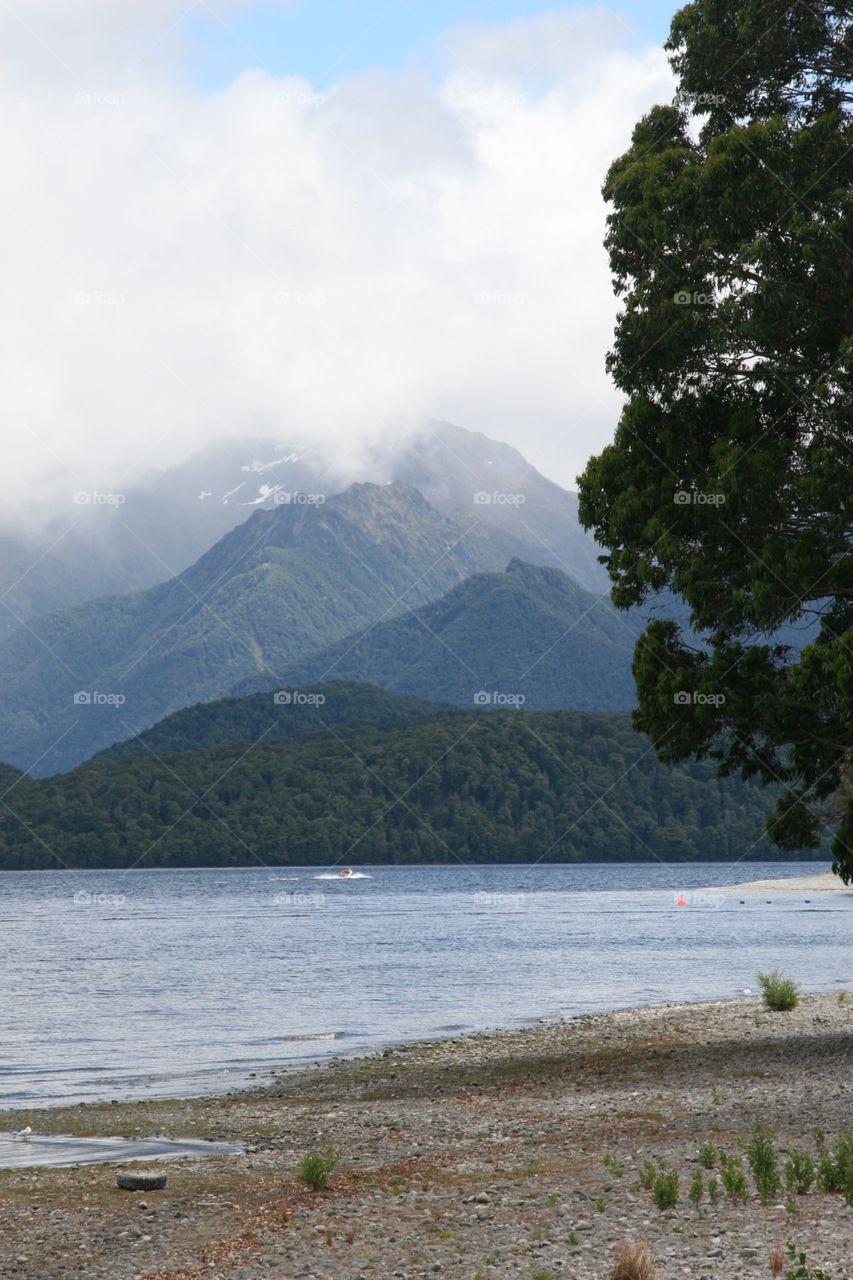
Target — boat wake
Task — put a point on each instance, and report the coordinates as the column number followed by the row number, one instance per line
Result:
column 337, row 875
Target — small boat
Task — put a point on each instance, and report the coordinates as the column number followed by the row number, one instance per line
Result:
column 345, row 873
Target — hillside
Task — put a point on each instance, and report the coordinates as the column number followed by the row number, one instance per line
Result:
column 503, row 787
column 286, row 712
column 529, row 631
column 287, row 582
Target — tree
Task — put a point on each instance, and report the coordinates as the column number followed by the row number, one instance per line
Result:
column 730, row 477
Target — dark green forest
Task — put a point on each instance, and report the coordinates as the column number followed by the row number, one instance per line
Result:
column 490, row 787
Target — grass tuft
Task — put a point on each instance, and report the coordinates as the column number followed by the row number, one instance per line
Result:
column 634, row 1262
column 780, row 993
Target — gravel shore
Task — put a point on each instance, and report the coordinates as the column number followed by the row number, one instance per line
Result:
column 515, row 1154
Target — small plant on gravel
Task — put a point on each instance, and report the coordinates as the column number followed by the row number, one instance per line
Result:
column 713, row 1190
column 542, row 1273
column 780, row 993
column 573, row 1236
column 734, row 1179
column 315, row 1170
column 614, row 1166
column 634, row 1262
column 763, row 1163
column 600, row 1205
column 707, row 1155
column 799, row 1172
column 800, row 1269
column 665, row 1189
column 776, row 1258
column 697, row 1188
column 648, row 1173
column 835, row 1167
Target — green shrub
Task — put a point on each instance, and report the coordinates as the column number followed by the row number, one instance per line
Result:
column 713, row 1190
column 665, row 1189
column 835, row 1167
column 800, row 1269
column 780, row 993
column 734, row 1179
column 763, row 1163
column 800, row 1172
column 697, row 1187
column 648, row 1173
column 315, row 1170
column 707, row 1155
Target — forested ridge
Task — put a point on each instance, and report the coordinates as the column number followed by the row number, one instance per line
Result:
column 484, row 787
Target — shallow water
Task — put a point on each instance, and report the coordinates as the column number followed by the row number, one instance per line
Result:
column 155, row 983
column 40, row 1151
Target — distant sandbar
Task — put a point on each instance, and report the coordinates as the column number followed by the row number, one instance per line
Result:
column 818, row 882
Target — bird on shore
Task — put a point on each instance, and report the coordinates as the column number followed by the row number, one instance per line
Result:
column 23, row 1135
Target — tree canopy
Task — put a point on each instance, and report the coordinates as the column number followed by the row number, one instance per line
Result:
column 730, row 477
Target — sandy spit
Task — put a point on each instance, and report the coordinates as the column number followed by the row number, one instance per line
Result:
column 818, row 882
column 510, row 1155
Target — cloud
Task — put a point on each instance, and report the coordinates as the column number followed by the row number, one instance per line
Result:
column 320, row 267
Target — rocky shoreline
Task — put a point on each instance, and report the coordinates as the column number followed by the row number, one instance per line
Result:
column 514, row 1154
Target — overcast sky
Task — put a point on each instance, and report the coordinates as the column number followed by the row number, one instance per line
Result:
column 316, row 221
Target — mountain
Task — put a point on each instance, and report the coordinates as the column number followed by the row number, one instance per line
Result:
column 530, row 634
column 460, row 472
column 161, row 522
column 283, row 713
column 288, row 581
column 476, row 787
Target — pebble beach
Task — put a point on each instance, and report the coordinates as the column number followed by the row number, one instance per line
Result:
column 510, row 1154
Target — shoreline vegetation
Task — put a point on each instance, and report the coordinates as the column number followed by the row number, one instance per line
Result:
column 527, row 1153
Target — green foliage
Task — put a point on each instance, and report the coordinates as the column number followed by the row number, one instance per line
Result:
column 713, row 1190
column 734, row 1178
column 800, row 1172
column 707, row 1155
column 835, row 1167
column 573, row 1236
column 665, row 1189
column 499, row 787
column 697, row 1187
column 763, row 1163
column 600, row 1205
column 780, row 994
column 729, row 477
column 315, row 1170
column 800, row 1269
column 648, row 1173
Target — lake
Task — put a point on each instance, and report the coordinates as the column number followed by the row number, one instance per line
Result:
column 155, row 983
